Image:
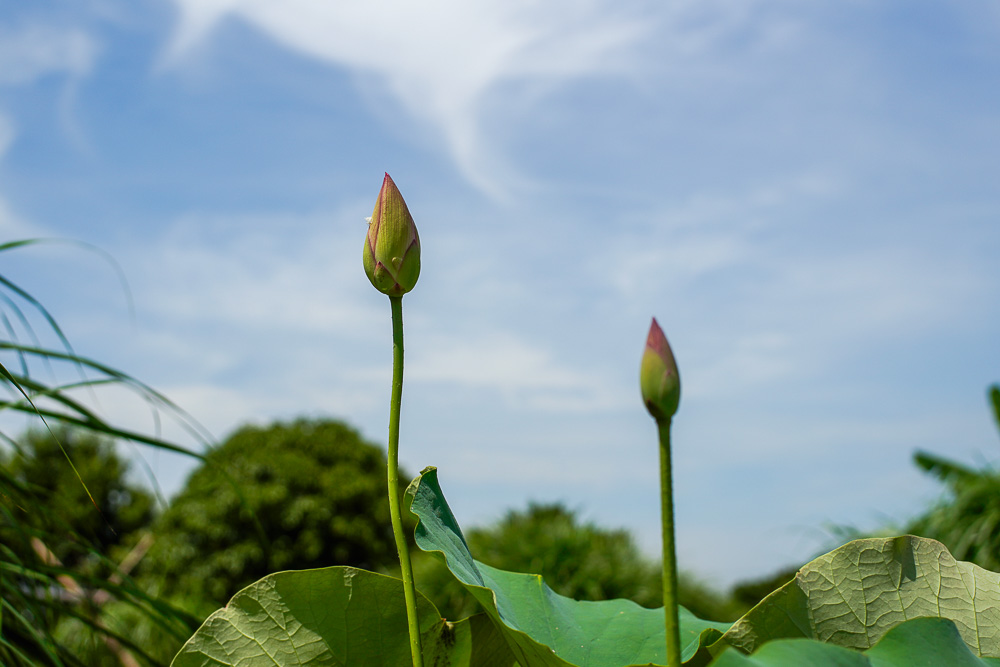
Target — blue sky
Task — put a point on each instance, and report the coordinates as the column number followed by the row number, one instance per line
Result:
column 805, row 195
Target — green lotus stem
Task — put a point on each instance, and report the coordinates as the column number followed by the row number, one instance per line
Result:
column 669, row 549
column 396, row 517
column 660, row 384
column 391, row 258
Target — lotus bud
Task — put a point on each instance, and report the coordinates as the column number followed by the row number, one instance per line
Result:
column 392, row 247
column 658, row 378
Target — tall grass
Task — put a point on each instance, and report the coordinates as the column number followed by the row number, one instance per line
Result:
column 51, row 613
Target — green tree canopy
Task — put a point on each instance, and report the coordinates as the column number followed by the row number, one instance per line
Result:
column 297, row 495
column 578, row 560
column 118, row 511
column 66, row 558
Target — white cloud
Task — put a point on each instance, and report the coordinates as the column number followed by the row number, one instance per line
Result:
column 33, row 51
column 7, row 134
column 288, row 292
column 474, row 72
column 443, row 60
column 263, row 272
column 11, row 226
column 765, row 290
column 495, row 360
column 524, row 374
column 707, row 233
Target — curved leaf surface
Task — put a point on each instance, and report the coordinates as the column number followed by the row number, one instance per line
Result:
column 543, row 628
column 921, row 641
column 335, row 616
column 854, row 595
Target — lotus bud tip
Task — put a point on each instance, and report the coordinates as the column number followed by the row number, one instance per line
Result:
column 392, row 247
column 659, row 380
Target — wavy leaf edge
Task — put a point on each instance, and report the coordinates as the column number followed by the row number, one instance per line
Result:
column 903, row 572
column 434, row 517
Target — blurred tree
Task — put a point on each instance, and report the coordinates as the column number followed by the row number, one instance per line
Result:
column 967, row 521
column 66, row 562
column 578, row 560
column 746, row 594
column 64, row 558
column 108, row 525
column 305, row 494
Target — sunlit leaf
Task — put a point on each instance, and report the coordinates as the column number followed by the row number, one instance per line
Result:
column 543, row 628
column 335, row 616
column 854, row 595
column 920, row 641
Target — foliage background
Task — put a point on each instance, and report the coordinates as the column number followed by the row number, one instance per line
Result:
column 287, row 496
column 207, row 542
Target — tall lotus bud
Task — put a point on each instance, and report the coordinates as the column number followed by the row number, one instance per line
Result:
column 658, row 377
column 392, row 247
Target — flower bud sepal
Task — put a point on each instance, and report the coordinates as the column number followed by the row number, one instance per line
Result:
column 659, row 380
column 392, row 247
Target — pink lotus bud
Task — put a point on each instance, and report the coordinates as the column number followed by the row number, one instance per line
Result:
column 392, row 247
column 658, row 378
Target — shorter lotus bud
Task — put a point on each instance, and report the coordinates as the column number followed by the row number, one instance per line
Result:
column 658, row 378
column 392, row 247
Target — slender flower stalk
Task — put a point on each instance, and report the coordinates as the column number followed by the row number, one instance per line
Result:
column 395, row 513
column 669, row 550
column 661, row 392
column 392, row 263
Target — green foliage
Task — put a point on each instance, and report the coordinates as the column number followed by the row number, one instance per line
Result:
column 362, row 616
column 577, row 559
column 581, row 560
column 363, row 622
column 542, row 627
column 855, row 594
column 745, row 595
column 307, row 493
column 65, row 596
column 872, row 603
column 295, row 495
column 61, row 529
column 702, row 600
column 932, row 642
column 968, row 520
column 122, row 510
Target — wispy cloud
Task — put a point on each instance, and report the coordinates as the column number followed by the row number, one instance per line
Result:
column 524, row 374
column 11, row 226
column 6, row 134
column 768, row 287
column 34, row 50
column 449, row 64
column 265, row 272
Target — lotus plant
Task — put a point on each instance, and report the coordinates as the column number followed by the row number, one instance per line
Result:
column 866, row 603
column 392, row 262
column 661, row 392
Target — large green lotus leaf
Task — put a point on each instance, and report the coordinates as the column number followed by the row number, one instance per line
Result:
column 335, row 616
column 928, row 642
column 854, row 595
column 545, row 629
